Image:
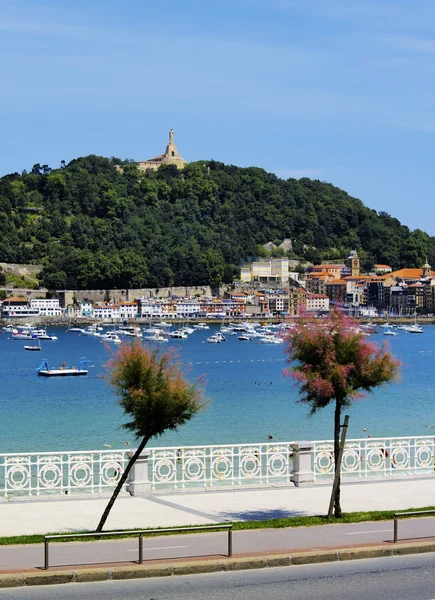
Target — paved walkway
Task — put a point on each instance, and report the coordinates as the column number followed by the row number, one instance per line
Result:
column 49, row 515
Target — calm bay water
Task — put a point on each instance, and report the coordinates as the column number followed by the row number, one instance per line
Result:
column 249, row 397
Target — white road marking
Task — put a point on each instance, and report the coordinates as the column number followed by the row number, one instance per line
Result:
column 158, row 548
column 373, row 531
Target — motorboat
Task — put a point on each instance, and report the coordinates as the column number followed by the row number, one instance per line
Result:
column 157, row 337
column 34, row 348
column 62, row 371
column 10, row 329
column 216, row 338
column 178, row 334
column 414, row 328
column 91, row 330
column 43, row 335
column 131, row 332
column 24, row 335
column 389, row 332
column 270, row 339
column 111, row 336
column 244, row 338
column 201, row 326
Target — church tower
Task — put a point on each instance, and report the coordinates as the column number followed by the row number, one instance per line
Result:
column 427, row 270
column 353, row 263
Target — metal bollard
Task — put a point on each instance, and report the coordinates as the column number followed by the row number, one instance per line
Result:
column 46, row 564
column 140, row 549
column 396, row 527
column 230, row 542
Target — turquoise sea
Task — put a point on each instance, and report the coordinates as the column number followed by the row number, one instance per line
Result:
column 249, row 397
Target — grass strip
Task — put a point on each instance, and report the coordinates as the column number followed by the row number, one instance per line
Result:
column 355, row 517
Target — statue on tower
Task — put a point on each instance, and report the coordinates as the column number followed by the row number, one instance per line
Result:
column 171, row 136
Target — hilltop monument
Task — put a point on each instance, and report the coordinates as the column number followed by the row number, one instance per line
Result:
column 170, row 157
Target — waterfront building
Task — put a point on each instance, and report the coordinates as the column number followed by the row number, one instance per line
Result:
column 317, row 303
column 106, row 311
column 336, row 290
column 48, row 307
column 128, row 310
column 18, row 307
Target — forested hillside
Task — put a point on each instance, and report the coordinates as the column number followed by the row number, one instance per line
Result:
column 94, row 227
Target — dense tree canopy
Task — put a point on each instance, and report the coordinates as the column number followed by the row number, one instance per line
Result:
column 94, row 227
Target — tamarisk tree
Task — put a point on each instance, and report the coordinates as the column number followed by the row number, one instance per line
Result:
column 332, row 362
column 154, row 393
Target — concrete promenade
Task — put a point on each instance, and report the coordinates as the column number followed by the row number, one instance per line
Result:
column 24, row 516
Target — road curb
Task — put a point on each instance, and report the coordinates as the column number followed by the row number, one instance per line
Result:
column 194, row 567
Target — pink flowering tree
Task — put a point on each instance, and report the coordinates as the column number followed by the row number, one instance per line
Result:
column 332, row 362
column 155, row 395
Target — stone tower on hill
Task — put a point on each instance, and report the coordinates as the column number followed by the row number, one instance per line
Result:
column 170, row 157
column 353, row 263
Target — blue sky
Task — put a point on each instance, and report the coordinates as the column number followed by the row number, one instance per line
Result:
column 338, row 90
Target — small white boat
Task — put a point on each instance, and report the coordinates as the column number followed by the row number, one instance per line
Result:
column 157, row 337
column 178, row 334
column 389, row 332
column 44, row 336
column 201, row 326
column 22, row 336
column 131, row 332
column 216, row 338
column 244, row 338
column 63, row 371
column 36, row 348
column 10, row 330
column 111, row 336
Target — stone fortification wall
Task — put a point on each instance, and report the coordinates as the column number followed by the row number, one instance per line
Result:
column 122, row 295
column 22, row 270
column 25, row 293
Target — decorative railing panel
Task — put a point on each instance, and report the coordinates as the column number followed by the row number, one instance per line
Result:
column 377, row 457
column 209, row 466
column 60, row 472
column 193, row 467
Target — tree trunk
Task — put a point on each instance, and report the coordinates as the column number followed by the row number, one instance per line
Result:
column 337, row 427
column 121, row 482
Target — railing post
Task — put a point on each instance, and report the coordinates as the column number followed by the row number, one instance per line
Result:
column 396, row 522
column 302, row 473
column 140, row 549
column 230, row 541
column 138, row 482
column 46, row 560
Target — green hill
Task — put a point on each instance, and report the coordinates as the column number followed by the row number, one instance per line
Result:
column 94, row 227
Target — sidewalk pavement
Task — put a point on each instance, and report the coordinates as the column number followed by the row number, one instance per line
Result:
column 25, row 516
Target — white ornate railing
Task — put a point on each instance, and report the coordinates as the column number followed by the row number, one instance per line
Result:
column 61, row 472
column 209, row 466
column 377, row 457
column 213, row 466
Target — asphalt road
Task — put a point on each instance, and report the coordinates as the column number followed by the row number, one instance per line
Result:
column 215, row 544
column 401, row 578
